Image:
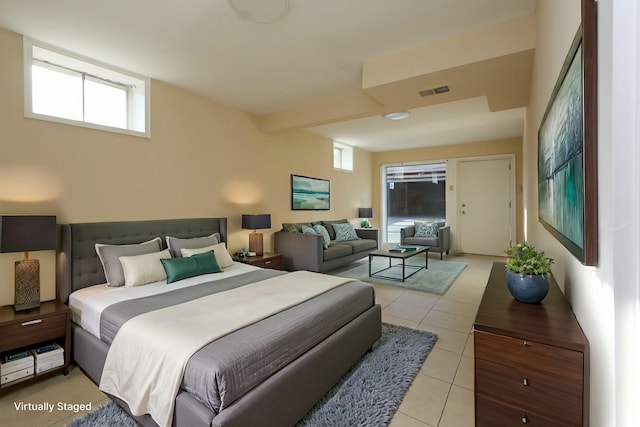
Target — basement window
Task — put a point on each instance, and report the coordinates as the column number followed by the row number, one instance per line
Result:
column 64, row 87
column 342, row 156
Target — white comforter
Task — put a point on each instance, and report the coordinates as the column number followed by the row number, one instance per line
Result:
column 147, row 358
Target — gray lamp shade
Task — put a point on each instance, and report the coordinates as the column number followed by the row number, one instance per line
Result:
column 256, row 222
column 365, row 212
column 27, row 233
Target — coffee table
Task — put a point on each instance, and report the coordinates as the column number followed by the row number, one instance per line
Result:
column 385, row 253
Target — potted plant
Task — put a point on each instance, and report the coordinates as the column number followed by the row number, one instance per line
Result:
column 528, row 271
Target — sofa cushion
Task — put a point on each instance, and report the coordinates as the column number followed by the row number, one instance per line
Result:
column 336, row 250
column 329, row 226
column 360, row 245
column 422, row 241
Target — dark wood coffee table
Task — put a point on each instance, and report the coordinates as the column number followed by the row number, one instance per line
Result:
column 391, row 255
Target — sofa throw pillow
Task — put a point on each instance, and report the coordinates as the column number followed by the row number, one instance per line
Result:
column 324, row 233
column 195, row 265
column 345, row 232
column 308, row 230
column 329, row 226
column 424, row 229
column 428, row 229
column 289, row 228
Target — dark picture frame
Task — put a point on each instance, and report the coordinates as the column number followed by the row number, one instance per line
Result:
column 310, row 194
column 567, row 157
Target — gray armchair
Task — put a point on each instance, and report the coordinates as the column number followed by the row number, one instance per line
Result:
column 441, row 244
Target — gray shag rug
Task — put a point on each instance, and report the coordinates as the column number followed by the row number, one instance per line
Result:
column 436, row 279
column 369, row 394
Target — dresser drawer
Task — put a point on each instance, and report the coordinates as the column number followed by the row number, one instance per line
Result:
column 32, row 331
column 546, row 359
column 490, row 413
column 542, row 379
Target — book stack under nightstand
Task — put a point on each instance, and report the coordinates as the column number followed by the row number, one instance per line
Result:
column 14, row 366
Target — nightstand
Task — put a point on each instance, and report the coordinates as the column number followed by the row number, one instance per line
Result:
column 51, row 322
column 272, row 261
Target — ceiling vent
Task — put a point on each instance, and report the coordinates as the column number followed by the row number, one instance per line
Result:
column 434, row 91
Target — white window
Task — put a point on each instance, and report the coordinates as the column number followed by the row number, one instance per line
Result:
column 64, row 87
column 342, row 156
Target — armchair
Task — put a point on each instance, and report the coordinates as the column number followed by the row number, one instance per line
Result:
column 441, row 243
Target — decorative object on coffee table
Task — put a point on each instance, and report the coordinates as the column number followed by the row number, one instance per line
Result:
column 528, row 273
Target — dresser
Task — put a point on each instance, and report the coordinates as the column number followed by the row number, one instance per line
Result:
column 531, row 360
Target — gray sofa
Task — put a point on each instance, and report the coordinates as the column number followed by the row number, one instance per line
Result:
column 306, row 251
column 441, row 243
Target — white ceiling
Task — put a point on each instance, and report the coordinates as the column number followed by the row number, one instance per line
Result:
column 315, row 53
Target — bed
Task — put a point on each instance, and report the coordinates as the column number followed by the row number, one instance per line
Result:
column 279, row 398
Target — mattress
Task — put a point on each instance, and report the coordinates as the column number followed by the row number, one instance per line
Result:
column 226, row 369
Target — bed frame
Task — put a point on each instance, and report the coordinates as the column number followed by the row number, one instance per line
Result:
column 281, row 400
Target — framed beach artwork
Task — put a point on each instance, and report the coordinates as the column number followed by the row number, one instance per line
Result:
column 567, row 181
column 310, row 194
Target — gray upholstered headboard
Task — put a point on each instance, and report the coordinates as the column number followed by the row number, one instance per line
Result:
column 78, row 263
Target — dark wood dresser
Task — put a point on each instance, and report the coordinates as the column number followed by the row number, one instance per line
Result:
column 531, row 360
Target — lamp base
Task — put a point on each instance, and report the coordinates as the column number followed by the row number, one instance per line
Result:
column 255, row 243
column 27, row 276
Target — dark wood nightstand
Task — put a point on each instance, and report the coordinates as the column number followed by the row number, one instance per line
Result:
column 272, row 261
column 51, row 322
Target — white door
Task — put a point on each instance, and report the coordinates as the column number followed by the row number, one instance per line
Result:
column 484, row 208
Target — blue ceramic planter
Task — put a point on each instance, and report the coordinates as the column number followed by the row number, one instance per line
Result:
column 530, row 289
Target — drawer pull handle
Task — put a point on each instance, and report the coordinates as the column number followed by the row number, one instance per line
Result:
column 267, row 262
column 32, row 322
column 524, row 420
column 525, row 382
column 526, row 343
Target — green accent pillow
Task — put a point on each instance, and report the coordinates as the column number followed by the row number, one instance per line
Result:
column 195, row 265
column 289, row 228
column 345, row 232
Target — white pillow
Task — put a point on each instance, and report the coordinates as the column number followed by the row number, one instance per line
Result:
column 219, row 251
column 142, row 269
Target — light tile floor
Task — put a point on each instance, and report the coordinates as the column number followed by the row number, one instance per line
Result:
column 440, row 396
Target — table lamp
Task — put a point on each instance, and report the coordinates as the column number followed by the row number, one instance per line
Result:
column 256, row 222
column 25, row 233
column 365, row 214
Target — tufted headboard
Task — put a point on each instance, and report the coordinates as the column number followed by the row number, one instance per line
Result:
column 78, row 263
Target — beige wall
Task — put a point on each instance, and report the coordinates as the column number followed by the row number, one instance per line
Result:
column 452, row 153
column 203, row 159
